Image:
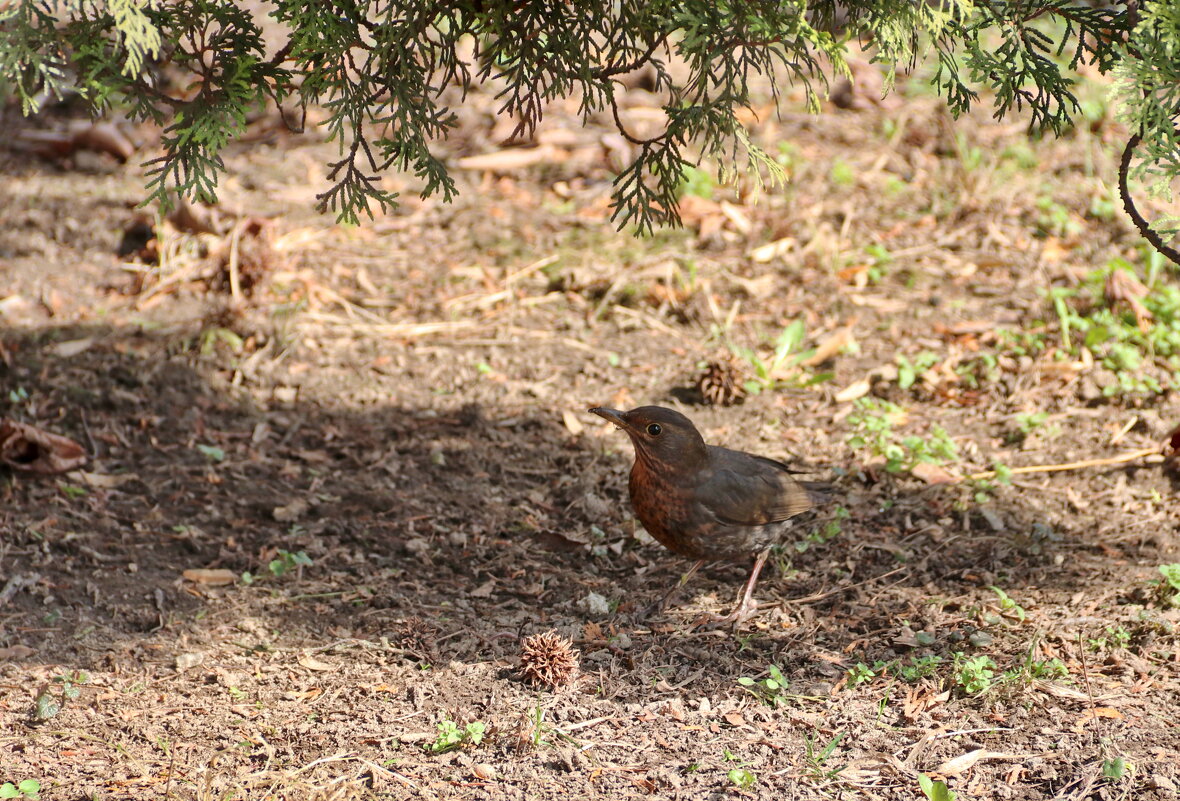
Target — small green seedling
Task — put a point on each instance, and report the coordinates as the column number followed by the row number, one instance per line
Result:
column 450, row 736
column 741, row 776
column 212, row 452
column 1115, row 768
column 288, row 561
column 860, row 673
column 935, row 790
column 1169, row 586
column 910, row 371
column 816, row 760
column 29, row 788
column 919, row 667
column 974, row 674
column 769, row 690
column 1008, row 607
column 49, row 703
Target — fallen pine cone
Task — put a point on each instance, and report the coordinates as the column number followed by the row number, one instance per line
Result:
column 549, row 659
column 720, row 383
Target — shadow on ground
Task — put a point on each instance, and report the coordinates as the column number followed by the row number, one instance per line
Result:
column 460, row 526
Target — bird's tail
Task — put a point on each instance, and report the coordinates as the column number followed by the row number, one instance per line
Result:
column 819, row 492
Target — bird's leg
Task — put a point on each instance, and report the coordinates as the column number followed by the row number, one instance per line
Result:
column 660, row 605
column 746, row 605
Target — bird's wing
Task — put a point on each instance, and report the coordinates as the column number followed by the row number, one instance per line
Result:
column 748, row 490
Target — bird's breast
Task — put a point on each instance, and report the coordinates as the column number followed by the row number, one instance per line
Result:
column 667, row 508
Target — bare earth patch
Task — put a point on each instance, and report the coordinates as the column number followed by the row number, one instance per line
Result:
column 379, row 436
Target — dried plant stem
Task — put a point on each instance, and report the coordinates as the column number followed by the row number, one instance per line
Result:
column 1051, row 468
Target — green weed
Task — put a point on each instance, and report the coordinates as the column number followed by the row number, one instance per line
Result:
column 1008, row 607
column 288, row 561
column 695, row 181
column 974, row 674
column 782, row 368
column 934, row 789
column 910, row 371
column 53, row 696
column 1112, row 638
column 1127, row 323
column 828, row 531
column 860, row 673
column 769, row 690
column 1115, row 768
column 816, row 761
column 842, row 173
column 920, row 667
column 1169, row 587
column 29, row 788
column 873, row 430
column 451, row 736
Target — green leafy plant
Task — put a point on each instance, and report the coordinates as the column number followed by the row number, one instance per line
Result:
column 698, row 182
column 974, row 674
column 910, row 371
column 1047, row 669
column 1169, row 586
column 825, row 533
column 212, row 452
column 860, row 673
column 1113, row 637
column 740, row 776
column 1129, row 321
column 452, row 736
column 52, row 697
column 29, row 788
column 1008, row 607
column 782, row 368
column 816, row 759
column 769, row 690
column 872, row 424
column 919, row 667
column 214, row 336
column 1029, row 422
column 1115, row 768
column 288, row 561
column 934, row 789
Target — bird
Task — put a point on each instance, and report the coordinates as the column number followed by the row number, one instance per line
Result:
column 706, row 502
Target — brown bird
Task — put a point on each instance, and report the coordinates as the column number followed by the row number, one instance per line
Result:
column 707, row 502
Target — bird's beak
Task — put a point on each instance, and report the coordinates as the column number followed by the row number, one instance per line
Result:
column 614, row 415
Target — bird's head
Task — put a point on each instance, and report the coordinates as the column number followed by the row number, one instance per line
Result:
column 660, row 435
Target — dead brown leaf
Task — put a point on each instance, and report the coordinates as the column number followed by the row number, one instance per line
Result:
column 836, row 342
column 13, row 652
column 572, row 423
column 932, row 473
column 1094, row 713
column 32, row 450
column 211, row 576
column 918, row 701
column 1121, row 285
column 311, row 663
column 964, row 762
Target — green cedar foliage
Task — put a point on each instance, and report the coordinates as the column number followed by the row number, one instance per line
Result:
column 381, row 70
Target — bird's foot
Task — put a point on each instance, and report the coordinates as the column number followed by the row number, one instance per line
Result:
column 741, row 613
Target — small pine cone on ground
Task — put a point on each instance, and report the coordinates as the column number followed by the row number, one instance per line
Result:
column 720, row 383
column 549, row 659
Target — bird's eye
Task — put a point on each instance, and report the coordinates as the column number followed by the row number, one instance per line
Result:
column 654, row 429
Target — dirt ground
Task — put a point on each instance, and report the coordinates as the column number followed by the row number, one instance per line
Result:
column 381, row 432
